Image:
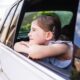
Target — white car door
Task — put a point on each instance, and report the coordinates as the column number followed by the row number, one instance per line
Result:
column 17, row 67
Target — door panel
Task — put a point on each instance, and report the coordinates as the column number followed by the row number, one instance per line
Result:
column 18, row 67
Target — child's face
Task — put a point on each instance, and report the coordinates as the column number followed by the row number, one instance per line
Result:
column 37, row 35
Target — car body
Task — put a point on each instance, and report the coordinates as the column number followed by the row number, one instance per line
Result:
column 15, row 66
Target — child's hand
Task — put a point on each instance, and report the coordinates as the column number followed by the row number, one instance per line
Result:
column 21, row 47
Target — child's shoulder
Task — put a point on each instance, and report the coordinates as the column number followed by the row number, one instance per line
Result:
column 59, row 41
column 68, row 43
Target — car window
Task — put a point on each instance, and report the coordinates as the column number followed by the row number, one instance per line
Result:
column 65, row 18
column 33, row 9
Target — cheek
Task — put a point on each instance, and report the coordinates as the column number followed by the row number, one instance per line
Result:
column 40, row 37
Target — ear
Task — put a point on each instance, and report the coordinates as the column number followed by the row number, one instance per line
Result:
column 49, row 35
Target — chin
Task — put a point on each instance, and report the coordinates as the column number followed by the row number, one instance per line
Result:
column 32, row 42
column 36, row 42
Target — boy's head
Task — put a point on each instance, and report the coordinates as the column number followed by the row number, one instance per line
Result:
column 45, row 28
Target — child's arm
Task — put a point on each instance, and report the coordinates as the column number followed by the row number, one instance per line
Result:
column 41, row 51
column 21, row 47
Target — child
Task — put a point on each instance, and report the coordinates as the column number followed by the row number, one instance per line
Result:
column 44, row 44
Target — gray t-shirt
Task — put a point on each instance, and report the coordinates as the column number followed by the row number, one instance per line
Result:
column 57, row 62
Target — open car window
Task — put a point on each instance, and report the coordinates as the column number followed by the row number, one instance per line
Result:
column 65, row 18
column 66, row 15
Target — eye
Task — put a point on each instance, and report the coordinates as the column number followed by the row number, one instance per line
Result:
column 33, row 29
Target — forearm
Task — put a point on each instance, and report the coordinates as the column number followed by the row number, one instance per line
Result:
column 42, row 51
column 38, row 51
